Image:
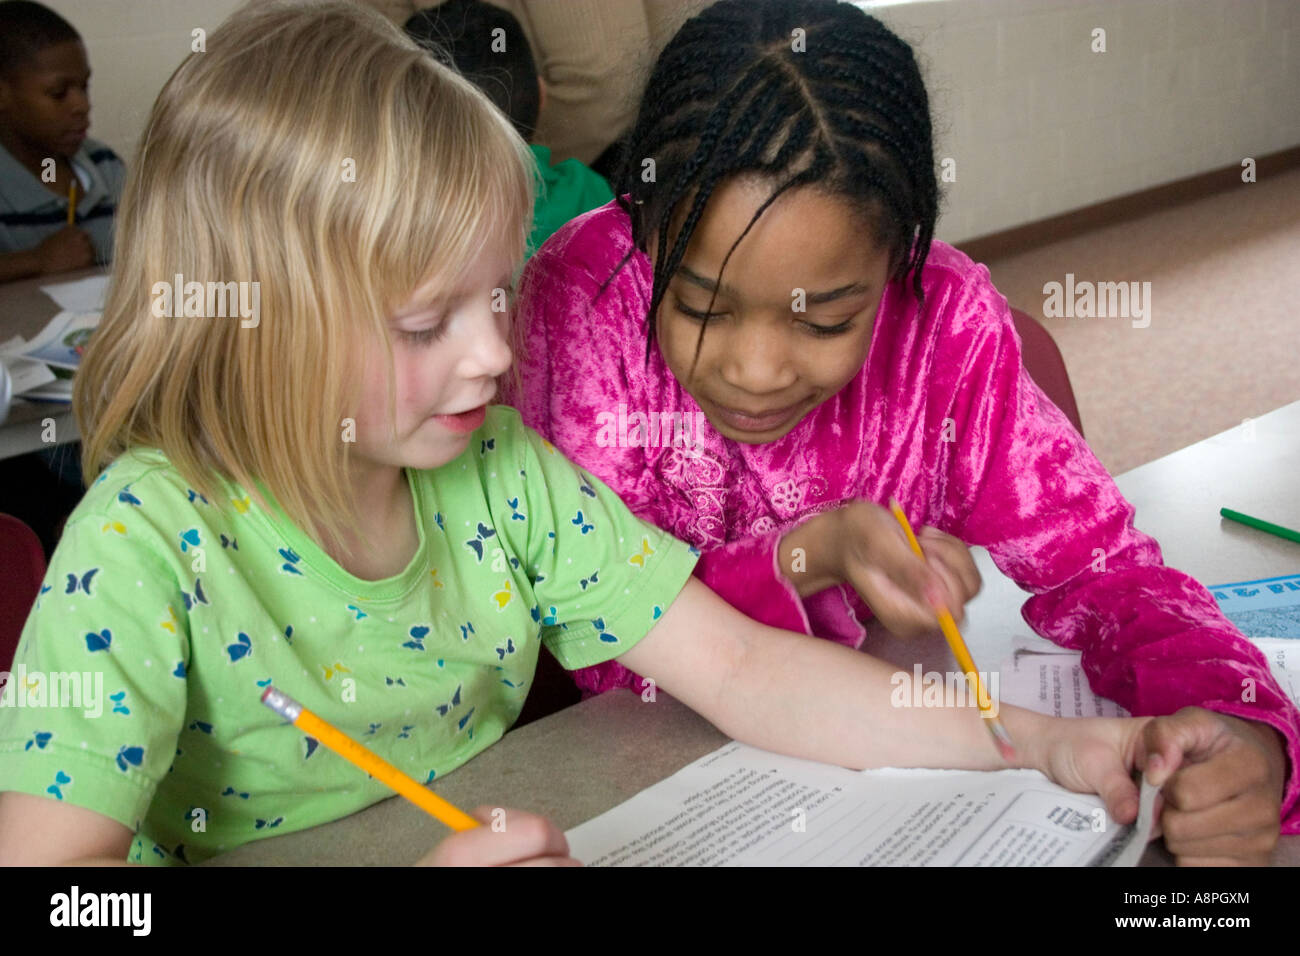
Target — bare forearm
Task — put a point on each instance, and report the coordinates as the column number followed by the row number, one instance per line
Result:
column 811, row 698
column 98, row 861
column 19, row 265
column 808, row 697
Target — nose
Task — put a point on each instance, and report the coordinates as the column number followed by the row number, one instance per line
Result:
column 758, row 359
column 79, row 101
column 488, row 354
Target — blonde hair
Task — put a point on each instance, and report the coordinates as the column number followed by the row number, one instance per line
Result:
column 242, row 175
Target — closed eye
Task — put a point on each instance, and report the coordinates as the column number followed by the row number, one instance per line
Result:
column 692, row 313
column 829, row 329
column 424, row 336
column 813, row 327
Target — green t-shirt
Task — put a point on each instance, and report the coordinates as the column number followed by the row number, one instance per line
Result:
column 171, row 613
column 564, row 191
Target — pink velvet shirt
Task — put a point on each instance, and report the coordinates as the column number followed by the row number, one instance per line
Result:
column 942, row 416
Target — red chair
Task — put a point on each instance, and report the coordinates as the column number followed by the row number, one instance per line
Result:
column 24, row 568
column 1042, row 360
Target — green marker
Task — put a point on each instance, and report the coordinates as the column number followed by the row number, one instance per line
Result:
column 1268, row 526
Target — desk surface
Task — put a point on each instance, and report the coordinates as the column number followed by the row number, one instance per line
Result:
column 584, row 760
column 24, row 310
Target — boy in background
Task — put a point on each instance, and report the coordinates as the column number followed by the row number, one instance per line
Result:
column 44, row 115
column 488, row 46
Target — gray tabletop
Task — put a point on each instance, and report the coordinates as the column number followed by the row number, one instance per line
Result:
column 24, row 310
column 584, row 760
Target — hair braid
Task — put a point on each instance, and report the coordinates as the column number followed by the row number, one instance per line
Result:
column 729, row 97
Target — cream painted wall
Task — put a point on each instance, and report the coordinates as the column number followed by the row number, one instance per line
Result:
column 1036, row 122
column 134, row 45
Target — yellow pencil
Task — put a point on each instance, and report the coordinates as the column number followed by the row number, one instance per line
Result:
column 72, row 200
column 949, row 627
column 367, row 760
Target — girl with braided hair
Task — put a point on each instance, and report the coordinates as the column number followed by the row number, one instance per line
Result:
column 760, row 342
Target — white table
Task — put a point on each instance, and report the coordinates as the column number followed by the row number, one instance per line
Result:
column 1178, row 498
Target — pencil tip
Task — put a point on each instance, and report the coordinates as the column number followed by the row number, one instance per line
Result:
column 1003, row 740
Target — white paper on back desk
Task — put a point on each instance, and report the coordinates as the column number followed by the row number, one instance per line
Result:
column 79, row 295
column 741, row 806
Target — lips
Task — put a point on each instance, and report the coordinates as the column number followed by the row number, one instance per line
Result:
column 466, row 421
column 760, row 421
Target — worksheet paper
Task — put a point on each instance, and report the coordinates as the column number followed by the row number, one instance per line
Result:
column 79, row 295
column 741, row 806
column 26, row 374
column 1052, row 682
column 1267, row 608
column 1284, row 661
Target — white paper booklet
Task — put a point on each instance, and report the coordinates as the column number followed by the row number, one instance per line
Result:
column 63, row 340
column 79, row 295
column 741, row 806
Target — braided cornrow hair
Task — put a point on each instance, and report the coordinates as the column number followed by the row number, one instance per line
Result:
column 730, row 96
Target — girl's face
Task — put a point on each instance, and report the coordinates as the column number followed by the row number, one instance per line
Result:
column 447, row 354
column 763, row 364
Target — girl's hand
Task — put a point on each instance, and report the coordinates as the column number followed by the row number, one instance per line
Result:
column 524, row 839
column 862, row 544
column 1093, row 755
column 1222, row 782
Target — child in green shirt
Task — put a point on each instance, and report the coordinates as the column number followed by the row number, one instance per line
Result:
column 488, row 45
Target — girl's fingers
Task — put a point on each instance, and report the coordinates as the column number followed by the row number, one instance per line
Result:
column 1243, row 824
column 1187, row 737
column 956, row 556
column 954, row 599
column 1239, row 847
column 1224, row 861
column 893, row 556
column 901, row 612
column 512, row 836
column 901, row 588
column 1120, row 794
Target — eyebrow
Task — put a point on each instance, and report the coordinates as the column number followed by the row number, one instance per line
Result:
column 59, row 75
column 813, row 298
column 444, row 298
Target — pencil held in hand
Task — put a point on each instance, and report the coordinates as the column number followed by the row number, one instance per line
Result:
column 949, row 627
column 72, row 201
column 367, row 760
